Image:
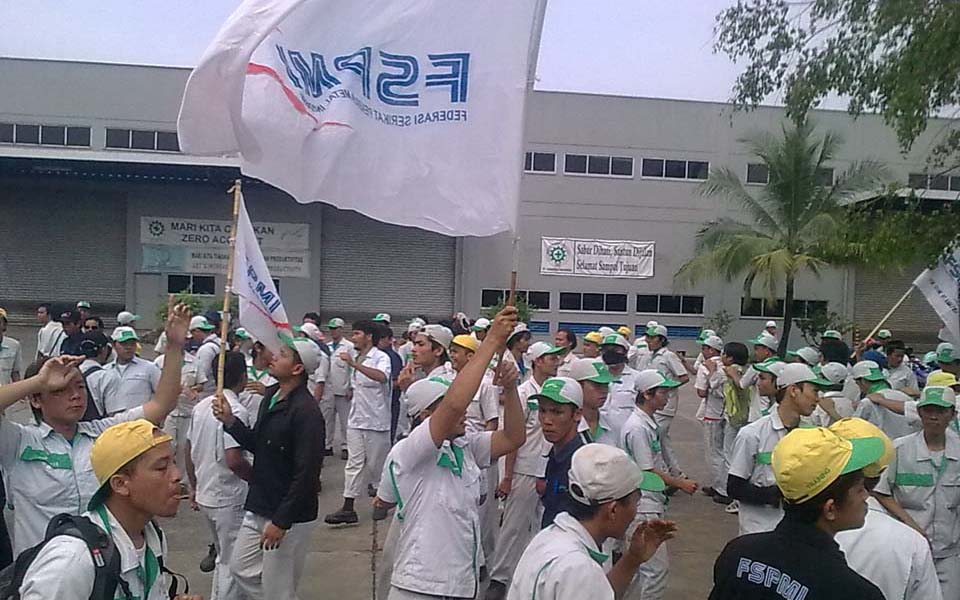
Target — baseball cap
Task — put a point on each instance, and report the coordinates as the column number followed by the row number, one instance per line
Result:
column 414, row 327
column 942, row 378
column 615, row 339
column 937, row 395
column 795, row 373
column 589, row 369
column 201, row 322
column 382, row 317
column 831, row 334
column 704, row 334
column 624, row 330
column 605, row 331
column 884, row 334
column 117, row 446
column 652, row 323
column 809, row 355
column 519, row 328
column 466, row 341
column 770, row 324
column 563, row 390
column 713, row 342
column 439, row 334
column 834, row 372
column 92, row 342
column 853, row 428
column 83, row 304
column 308, row 352
column 773, row 365
column 930, row 358
column 594, row 337
column 867, row 369
column 480, row 324
column 335, row 323
column 124, row 334
column 539, row 349
column 419, row 321
column 70, row 316
column 241, row 333
column 765, row 339
column 600, row 473
column 423, row 393
column 945, row 353
column 312, row 331
column 649, row 379
column 807, row 460
column 657, row 330
column 125, row 317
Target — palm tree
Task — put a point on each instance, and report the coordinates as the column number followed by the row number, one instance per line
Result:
column 792, row 223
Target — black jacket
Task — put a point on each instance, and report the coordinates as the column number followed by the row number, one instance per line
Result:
column 287, row 443
column 795, row 560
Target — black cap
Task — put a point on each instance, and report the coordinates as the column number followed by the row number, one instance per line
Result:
column 70, row 316
column 92, row 342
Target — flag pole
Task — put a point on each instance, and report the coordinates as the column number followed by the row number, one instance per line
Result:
column 225, row 314
column 890, row 312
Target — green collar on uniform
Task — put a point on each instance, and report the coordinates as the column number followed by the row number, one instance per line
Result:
column 455, row 464
column 599, row 557
column 146, row 573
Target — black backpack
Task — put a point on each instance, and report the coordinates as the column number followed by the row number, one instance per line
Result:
column 92, row 413
column 106, row 560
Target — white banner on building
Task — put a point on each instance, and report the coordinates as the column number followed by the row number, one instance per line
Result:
column 202, row 246
column 940, row 287
column 596, row 258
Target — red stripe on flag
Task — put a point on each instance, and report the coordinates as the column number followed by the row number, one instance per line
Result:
column 258, row 69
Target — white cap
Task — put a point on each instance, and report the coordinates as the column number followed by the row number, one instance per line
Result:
column 835, row 372
column 538, row 349
column 124, row 334
column 652, row 323
column 605, row 331
column 125, row 317
column 312, row 331
column 652, row 378
column 601, row 473
column 615, row 339
column 201, row 322
column 765, row 339
column 563, row 390
column 519, row 328
column 309, row 354
column 944, row 346
column 794, row 373
column 770, row 324
column 811, row 356
column 481, row 324
column 714, row 342
column 414, row 327
column 657, row 330
column 423, row 393
column 383, row 318
column 335, row 323
column 437, row 333
column 591, row 369
column 418, row 321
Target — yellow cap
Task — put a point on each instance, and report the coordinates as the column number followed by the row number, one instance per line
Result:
column 466, row 341
column 594, row 337
column 117, row 446
column 624, row 330
column 806, row 461
column 942, row 378
column 853, row 428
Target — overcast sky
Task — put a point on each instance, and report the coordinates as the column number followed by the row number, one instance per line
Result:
column 659, row 48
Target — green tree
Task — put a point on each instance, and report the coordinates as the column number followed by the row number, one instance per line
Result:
column 791, row 222
column 899, row 58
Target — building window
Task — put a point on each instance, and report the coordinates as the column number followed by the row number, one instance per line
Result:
column 6, row 133
column 697, row 170
column 167, row 141
column 761, row 307
column 47, row 135
column 201, row 285
column 540, row 162
column 536, row 300
column 78, row 136
column 27, row 134
column 922, row 181
column 53, row 135
column 142, row 139
column 669, row 304
column 276, row 285
column 598, row 164
column 758, row 173
column 825, row 176
column 593, row 302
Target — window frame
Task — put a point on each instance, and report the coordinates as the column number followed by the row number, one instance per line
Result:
column 746, row 174
column 663, row 176
column 533, row 161
column 765, row 314
column 660, row 311
column 190, row 288
column 609, row 157
column 525, row 294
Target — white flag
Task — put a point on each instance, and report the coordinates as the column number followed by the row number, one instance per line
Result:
column 409, row 111
column 940, row 286
column 261, row 310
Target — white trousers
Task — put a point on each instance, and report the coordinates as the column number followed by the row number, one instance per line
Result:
column 269, row 574
column 332, row 407
column 650, row 582
column 366, row 451
column 387, row 557
column 713, row 454
column 177, row 426
column 399, row 594
column 666, row 445
column 225, row 522
column 948, row 572
column 489, row 515
column 521, row 521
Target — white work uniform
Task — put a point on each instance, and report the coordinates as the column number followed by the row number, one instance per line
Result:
column 893, row 556
column 522, row 508
column 49, row 338
column 99, row 383
column 11, row 359
column 207, row 355
column 641, row 438
column 891, row 423
column 405, row 352
column 177, row 424
column 759, row 404
column 670, row 366
column 136, row 383
column 336, row 401
column 46, row 475
column 928, row 488
column 64, row 568
column 562, row 562
column 563, row 369
column 607, row 431
column 903, row 378
column 841, row 403
column 319, row 376
column 484, row 408
column 220, row 492
column 621, row 397
column 751, row 460
column 437, row 491
column 714, row 424
column 251, row 400
column 368, row 427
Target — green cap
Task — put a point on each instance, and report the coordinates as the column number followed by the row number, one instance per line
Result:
column 946, row 355
column 937, row 395
column 832, row 334
column 588, row 369
column 884, row 334
column 335, row 323
column 562, row 390
column 242, row 334
column 124, row 334
column 866, row 451
column 772, row 366
column 651, row 482
column 83, row 304
column 382, row 318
